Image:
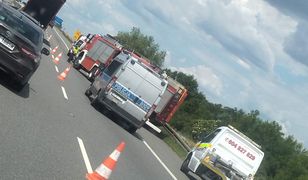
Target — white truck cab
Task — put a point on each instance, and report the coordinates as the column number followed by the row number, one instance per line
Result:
column 225, row 154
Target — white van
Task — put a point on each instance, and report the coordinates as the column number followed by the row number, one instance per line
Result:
column 129, row 88
column 225, row 154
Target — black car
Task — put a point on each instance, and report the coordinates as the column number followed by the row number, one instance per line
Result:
column 21, row 44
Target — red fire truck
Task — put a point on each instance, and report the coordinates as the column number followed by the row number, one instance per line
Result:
column 171, row 100
column 97, row 54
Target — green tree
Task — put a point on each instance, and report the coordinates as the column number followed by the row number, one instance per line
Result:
column 142, row 44
column 204, row 127
column 188, row 81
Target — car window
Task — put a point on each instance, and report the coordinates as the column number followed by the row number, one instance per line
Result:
column 79, row 43
column 20, row 26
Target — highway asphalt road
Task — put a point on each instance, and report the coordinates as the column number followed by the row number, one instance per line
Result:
column 39, row 127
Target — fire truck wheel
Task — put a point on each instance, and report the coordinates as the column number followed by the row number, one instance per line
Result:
column 76, row 64
column 91, row 76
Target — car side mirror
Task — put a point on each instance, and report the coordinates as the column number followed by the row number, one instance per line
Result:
column 45, row 51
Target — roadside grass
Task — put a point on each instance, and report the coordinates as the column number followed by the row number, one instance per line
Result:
column 174, row 145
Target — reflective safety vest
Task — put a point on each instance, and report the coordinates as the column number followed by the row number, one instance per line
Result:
column 204, row 145
column 75, row 50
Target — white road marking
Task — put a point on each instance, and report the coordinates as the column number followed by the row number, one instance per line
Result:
column 85, row 155
column 64, row 93
column 61, row 39
column 57, row 69
column 160, row 161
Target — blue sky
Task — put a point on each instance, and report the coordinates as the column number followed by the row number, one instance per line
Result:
column 249, row 54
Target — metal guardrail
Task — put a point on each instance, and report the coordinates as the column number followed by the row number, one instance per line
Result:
column 181, row 142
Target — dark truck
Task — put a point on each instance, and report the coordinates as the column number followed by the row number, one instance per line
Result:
column 43, row 10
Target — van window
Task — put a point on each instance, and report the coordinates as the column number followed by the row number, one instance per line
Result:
column 113, row 67
column 211, row 136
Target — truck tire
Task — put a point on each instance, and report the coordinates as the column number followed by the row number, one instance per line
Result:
column 91, row 75
column 76, row 64
column 184, row 167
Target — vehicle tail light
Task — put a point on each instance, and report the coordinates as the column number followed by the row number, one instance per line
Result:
column 110, row 83
column 30, row 54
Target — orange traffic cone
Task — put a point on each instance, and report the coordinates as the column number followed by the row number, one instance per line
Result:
column 104, row 171
column 63, row 75
column 57, row 59
column 54, row 49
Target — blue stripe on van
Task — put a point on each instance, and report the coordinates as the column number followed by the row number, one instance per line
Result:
column 123, row 91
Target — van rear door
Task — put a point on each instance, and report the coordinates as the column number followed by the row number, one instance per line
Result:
column 243, row 155
column 142, row 87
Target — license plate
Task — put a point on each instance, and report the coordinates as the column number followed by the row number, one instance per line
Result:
column 7, row 43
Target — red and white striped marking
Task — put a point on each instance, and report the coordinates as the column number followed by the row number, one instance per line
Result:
column 57, row 59
column 104, row 171
column 54, row 49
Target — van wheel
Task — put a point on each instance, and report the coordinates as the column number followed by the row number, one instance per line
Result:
column 184, row 167
column 88, row 92
column 96, row 99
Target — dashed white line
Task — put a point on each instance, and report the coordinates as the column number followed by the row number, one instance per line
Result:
column 85, row 155
column 64, row 93
column 61, row 39
column 57, row 69
column 159, row 160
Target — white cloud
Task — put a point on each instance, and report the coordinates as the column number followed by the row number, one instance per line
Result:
column 167, row 62
column 205, row 76
column 243, row 64
column 244, row 28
